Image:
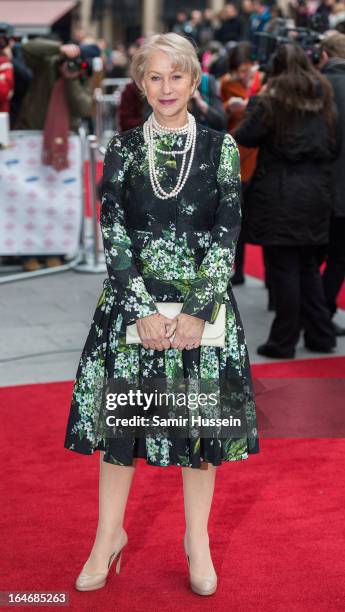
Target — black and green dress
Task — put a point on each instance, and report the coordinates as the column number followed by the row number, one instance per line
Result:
column 181, row 250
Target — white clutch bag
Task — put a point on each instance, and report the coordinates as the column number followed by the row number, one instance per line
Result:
column 214, row 333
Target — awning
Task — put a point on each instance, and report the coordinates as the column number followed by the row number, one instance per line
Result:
column 34, row 17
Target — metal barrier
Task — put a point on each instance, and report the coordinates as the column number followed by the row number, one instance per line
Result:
column 107, row 122
column 104, row 127
column 71, row 265
column 93, row 261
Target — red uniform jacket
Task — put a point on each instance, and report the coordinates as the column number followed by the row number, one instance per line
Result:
column 6, row 83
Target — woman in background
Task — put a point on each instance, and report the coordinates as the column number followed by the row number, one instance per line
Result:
column 288, row 206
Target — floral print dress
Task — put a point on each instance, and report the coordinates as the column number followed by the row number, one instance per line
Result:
column 181, row 250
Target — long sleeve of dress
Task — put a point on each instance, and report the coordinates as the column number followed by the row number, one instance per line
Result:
column 207, row 290
column 127, row 283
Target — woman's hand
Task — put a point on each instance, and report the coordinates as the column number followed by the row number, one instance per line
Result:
column 152, row 331
column 188, row 331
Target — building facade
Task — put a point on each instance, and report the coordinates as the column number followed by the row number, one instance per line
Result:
column 126, row 20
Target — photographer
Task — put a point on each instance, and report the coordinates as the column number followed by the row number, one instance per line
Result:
column 333, row 67
column 288, row 207
column 49, row 60
column 58, row 98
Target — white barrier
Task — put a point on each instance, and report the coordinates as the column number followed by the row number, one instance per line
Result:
column 42, row 210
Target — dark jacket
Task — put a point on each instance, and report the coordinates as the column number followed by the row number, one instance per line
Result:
column 290, row 197
column 334, row 70
column 22, row 80
column 230, row 29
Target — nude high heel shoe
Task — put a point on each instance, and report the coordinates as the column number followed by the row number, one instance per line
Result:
column 202, row 585
column 91, row 582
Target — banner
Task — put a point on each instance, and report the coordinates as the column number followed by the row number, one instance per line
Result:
column 41, row 209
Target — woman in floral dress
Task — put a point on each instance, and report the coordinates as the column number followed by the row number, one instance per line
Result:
column 166, row 239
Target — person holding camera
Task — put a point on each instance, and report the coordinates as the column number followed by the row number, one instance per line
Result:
column 57, row 99
column 49, row 60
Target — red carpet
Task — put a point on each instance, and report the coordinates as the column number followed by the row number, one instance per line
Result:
column 254, row 267
column 276, row 527
column 324, row 367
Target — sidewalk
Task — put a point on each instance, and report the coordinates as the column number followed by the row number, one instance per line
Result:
column 44, row 323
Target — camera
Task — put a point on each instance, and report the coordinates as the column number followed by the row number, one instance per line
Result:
column 78, row 64
column 283, row 33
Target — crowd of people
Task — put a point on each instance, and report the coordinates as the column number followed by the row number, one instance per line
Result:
column 285, row 110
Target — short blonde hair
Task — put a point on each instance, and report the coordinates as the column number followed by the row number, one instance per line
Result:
column 178, row 47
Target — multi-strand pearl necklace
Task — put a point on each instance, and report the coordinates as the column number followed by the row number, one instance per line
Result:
column 151, row 126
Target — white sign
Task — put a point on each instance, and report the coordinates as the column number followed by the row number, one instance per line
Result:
column 40, row 209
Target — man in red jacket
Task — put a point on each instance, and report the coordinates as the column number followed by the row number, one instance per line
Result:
column 6, row 70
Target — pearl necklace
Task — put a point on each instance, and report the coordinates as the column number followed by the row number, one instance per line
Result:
column 163, row 129
column 151, row 126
